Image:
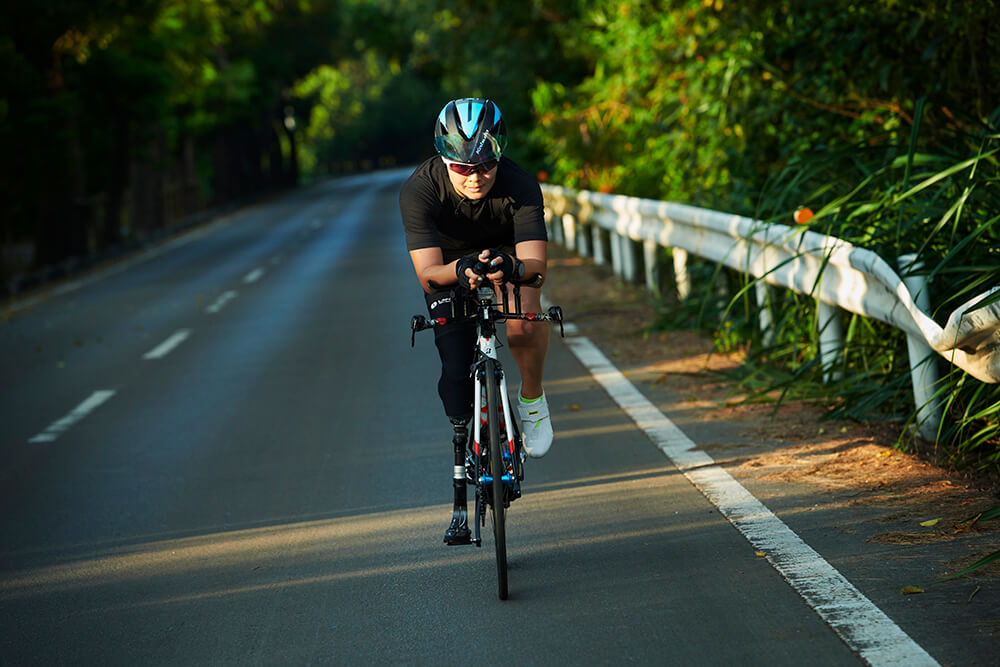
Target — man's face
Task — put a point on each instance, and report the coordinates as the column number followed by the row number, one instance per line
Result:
column 476, row 181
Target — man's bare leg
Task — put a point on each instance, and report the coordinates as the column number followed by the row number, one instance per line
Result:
column 529, row 343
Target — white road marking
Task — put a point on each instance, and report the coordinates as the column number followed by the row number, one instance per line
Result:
column 864, row 627
column 164, row 348
column 253, row 276
column 75, row 415
column 223, row 299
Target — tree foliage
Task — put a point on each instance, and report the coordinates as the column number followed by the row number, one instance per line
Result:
column 118, row 116
column 879, row 115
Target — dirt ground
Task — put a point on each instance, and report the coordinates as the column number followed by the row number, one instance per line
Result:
column 854, row 464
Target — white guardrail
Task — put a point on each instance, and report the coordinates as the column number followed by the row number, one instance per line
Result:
column 837, row 273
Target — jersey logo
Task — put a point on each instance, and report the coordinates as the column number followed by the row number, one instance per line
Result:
column 439, row 302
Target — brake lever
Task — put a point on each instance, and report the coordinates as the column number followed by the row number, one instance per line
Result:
column 417, row 323
column 555, row 312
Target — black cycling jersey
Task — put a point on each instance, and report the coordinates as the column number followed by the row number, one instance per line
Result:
column 436, row 216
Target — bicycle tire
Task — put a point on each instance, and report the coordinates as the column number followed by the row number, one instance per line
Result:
column 493, row 409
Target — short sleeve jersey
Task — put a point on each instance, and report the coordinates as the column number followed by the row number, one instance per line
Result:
column 436, row 216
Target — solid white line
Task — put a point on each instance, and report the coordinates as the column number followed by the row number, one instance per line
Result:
column 253, row 276
column 164, row 348
column 223, row 299
column 75, row 415
column 864, row 627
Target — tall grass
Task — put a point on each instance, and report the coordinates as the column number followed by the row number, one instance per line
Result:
column 936, row 196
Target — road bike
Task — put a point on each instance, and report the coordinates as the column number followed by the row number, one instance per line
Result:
column 491, row 456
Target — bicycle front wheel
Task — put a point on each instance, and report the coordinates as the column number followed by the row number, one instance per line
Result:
column 497, row 470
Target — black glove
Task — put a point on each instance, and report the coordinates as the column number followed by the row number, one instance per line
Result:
column 512, row 267
column 468, row 262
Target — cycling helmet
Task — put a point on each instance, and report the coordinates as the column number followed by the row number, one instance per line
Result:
column 470, row 130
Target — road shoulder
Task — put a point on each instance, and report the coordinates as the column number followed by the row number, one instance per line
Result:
column 887, row 520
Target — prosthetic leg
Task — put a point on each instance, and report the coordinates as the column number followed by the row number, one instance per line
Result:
column 458, row 531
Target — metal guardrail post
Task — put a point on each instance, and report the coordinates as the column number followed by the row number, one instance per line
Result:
column 630, row 260
column 923, row 360
column 831, row 339
column 569, row 228
column 597, row 241
column 681, row 276
column 764, row 320
column 651, row 265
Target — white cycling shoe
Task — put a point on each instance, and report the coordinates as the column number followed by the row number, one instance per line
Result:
column 536, row 427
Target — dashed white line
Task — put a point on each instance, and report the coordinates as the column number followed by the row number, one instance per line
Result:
column 253, row 276
column 164, row 348
column 75, row 415
column 223, row 299
column 864, row 627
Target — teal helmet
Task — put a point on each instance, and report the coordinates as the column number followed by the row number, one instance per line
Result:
column 470, row 130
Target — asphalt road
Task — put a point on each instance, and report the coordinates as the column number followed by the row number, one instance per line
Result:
column 225, row 452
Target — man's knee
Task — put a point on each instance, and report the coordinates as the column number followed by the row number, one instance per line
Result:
column 455, row 370
column 525, row 334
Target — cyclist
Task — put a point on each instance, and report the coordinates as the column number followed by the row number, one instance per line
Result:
column 470, row 204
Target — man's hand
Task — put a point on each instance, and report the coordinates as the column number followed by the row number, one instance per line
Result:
column 504, row 267
column 500, row 267
column 464, row 269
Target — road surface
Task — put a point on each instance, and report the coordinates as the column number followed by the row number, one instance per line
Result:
column 224, row 451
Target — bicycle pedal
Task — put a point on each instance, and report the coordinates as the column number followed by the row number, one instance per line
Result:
column 457, row 538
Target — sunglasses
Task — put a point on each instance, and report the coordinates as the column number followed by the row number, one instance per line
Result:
column 469, row 169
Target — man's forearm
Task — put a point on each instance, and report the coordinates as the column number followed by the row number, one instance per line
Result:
column 440, row 274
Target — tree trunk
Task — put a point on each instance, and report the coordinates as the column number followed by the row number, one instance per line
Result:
column 117, row 183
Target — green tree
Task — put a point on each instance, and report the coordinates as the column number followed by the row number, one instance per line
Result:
column 110, row 107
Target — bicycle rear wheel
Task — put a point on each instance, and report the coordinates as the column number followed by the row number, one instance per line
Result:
column 497, row 470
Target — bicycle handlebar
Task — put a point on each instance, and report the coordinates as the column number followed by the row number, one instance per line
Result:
column 421, row 323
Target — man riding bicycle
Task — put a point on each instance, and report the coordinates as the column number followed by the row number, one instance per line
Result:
column 467, row 205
